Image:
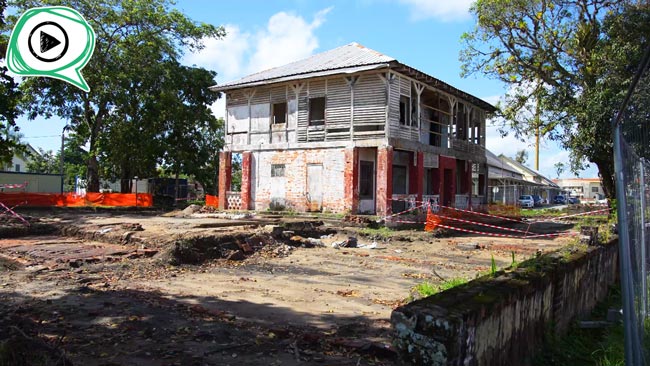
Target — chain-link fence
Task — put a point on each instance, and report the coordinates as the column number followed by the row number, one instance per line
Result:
column 631, row 155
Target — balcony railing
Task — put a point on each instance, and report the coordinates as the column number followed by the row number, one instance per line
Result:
column 466, row 146
column 432, row 200
column 462, row 201
column 233, row 200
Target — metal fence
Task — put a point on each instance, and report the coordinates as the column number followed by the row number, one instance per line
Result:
column 631, row 153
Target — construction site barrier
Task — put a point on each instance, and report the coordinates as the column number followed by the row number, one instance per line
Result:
column 74, row 200
column 211, row 200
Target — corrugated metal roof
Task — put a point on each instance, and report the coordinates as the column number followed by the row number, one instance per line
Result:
column 530, row 171
column 494, row 161
column 342, row 60
column 345, row 70
column 347, row 56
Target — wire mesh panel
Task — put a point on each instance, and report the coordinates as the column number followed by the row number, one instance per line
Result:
column 631, row 155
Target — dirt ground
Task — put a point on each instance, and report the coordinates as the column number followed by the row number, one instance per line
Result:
column 143, row 288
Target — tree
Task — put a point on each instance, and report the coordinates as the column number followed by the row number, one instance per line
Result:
column 45, row 162
column 194, row 134
column 568, row 56
column 11, row 95
column 74, row 162
column 204, row 164
column 559, row 168
column 521, row 156
column 133, row 39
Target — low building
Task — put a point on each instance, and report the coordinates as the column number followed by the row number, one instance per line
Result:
column 15, row 177
column 353, row 130
column 20, row 160
column 586, row 189
column 508, row 179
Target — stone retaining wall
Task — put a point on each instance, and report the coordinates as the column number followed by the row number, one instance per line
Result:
column 504, row 320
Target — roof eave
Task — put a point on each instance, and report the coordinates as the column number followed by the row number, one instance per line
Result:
column 439, row 84
column 301, row 76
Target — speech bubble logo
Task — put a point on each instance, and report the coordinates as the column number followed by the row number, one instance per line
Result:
column 53, row 41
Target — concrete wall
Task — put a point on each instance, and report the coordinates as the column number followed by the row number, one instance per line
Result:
column 503, row 320
column 36, row 183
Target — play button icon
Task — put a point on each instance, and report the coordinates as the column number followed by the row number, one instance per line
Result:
column 50, row 40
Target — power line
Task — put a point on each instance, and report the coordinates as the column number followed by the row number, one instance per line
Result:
column 40, row 137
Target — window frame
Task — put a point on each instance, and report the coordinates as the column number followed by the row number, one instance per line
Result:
column 311, row 120
column 273, row 110
column 275, row 168
column 404, row 110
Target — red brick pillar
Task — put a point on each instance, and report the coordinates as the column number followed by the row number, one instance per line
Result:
column 246, row 180
column 351, row 177
column 419, row 176
column 470, row 182
column 225, row 176
column 384, row 179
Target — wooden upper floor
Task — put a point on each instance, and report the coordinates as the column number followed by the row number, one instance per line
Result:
column 385, row 103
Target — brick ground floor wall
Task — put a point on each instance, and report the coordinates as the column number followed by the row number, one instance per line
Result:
column 290, row 191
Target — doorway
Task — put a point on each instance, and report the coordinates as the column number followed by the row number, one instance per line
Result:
column 314, row 187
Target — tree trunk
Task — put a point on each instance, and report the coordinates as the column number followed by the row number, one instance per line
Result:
column 93, row 174
column 606, row 172
column 176, row 189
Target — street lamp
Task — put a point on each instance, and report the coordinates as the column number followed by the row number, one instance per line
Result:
column 136, row 190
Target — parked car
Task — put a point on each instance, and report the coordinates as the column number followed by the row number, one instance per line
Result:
column 526, row 201
column 602, row 201
column 559, row 199
column 573, row 200
column 538, row 200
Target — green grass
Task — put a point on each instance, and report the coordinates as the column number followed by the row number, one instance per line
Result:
column 427, row 288
column 542, row 212
column 379, row 232
column 587, row 347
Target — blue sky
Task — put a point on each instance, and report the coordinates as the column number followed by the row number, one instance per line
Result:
column 424, row 34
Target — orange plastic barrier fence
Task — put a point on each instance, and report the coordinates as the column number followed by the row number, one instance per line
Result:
column 73, row 200
column 432, row 221
column 211, row 200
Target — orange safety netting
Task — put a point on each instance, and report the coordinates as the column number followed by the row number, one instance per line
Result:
column 211, row 200
column 432, row 221
column 74, row 200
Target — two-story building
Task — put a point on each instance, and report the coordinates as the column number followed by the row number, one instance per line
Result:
column 354, row 130
column 587, row 189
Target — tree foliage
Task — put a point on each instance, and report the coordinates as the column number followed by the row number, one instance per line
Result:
column 45, row 162
column 74, row 162
column 559, row 168
column 521, row 156
column 138, row 48
column 572, row 57
column 11, row 95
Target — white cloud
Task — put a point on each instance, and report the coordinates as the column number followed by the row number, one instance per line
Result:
column 443, row 10
column 508, row 145
column 287, row 38
column 225, row 56
column 218, row 108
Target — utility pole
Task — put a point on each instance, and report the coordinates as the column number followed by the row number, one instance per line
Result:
column 62, row 144
column 537, row 134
